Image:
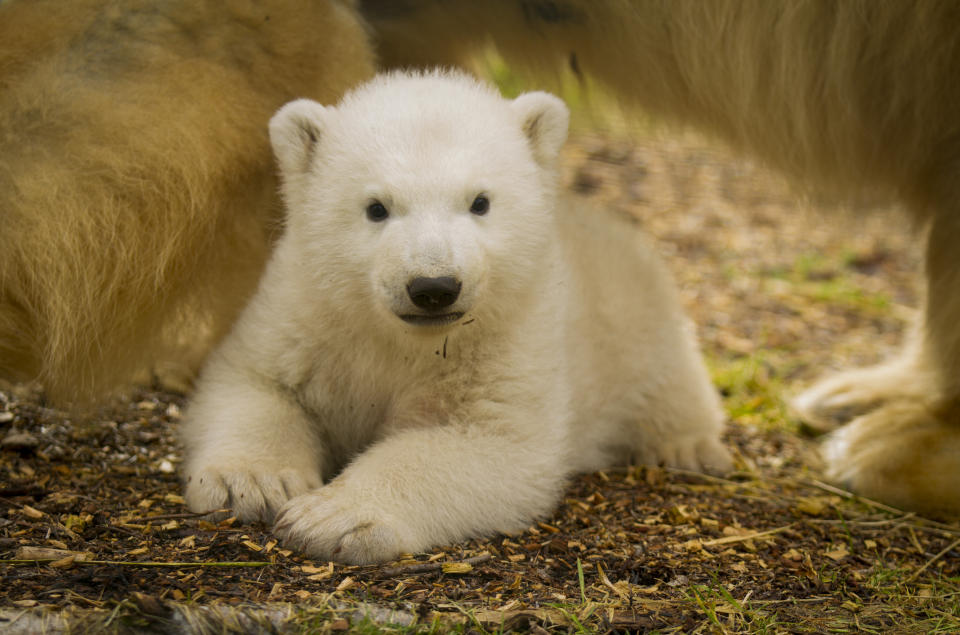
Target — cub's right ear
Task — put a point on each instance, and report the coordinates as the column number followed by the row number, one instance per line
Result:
column 294, row 133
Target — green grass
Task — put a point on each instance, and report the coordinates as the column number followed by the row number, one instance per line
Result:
column 728, row 614
column 827, row 279
column 753, row 390
column 591, row 106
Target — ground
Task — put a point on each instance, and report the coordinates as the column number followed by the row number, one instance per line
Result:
column 780, row 290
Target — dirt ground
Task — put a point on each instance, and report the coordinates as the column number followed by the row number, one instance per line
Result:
column 780, row 290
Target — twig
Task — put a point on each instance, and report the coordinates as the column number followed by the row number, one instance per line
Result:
column 851, row 496
column 72, row 594
column 29, row 490
column 427, row 567
column 913, row 576
column 706, row 477
column 953, row 528
column 121, row 530
column 865, row 523
column 730, row 539
column 180, row 516
column 146, row 563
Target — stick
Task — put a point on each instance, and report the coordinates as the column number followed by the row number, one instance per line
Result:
column 730, row 539
column 916, row 573
column 146, row 563
column 851, row 496
column 146, row 519
column 426, row 567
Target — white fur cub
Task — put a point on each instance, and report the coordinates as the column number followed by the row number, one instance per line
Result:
column 438, row 343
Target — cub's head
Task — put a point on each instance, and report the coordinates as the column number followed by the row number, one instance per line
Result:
column 425, row 199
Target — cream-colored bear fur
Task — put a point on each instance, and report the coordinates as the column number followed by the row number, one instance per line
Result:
column 849, row 97
column 137, row 191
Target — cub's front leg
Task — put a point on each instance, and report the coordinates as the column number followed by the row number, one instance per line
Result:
column 430, row 486
column 249, row 446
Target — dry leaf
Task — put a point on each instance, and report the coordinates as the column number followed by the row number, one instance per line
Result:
column 681, row 514
column 709, row 523
column 811, row 506
column 837, row 554
column 75, row 523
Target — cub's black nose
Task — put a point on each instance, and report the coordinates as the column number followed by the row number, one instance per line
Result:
column 433, row 294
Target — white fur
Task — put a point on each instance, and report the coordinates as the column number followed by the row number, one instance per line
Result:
column 370, row 436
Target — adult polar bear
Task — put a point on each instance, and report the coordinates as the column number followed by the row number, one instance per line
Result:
column 438, row 334
column 137, row 187
column 137, row 200
column 849, row 96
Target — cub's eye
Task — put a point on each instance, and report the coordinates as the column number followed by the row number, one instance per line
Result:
column 377, row 212
column 480, row 205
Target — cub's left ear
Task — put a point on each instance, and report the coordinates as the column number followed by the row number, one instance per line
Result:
column 295, row 131
column 544, row 118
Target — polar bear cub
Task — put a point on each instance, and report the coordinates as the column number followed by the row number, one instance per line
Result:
column 438, row 342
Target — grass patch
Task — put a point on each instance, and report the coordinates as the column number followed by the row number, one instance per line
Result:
column 753, row 390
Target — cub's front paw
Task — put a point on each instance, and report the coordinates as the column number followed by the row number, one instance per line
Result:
column 252, row 492
column 330, row 524
column 695, row 453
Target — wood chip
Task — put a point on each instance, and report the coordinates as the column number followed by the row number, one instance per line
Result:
column 837, row 554
column 30, row 512
column 46, row 553
column 456, row 567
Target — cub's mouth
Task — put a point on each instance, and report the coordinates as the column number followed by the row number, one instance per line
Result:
column 432, row 320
